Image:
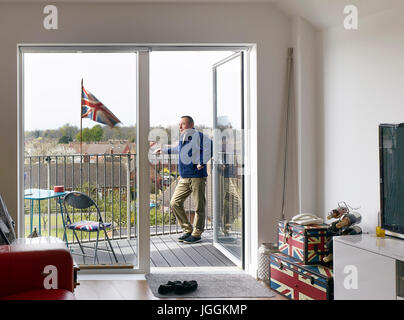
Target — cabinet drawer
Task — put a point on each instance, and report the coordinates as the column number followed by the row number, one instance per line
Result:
column 363, row 275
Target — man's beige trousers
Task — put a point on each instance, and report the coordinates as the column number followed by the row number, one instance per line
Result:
column 185, row 187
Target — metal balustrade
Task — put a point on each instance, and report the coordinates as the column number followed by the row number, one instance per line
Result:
column 110, row 179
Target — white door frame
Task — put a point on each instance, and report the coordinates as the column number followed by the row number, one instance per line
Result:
column 143, row 114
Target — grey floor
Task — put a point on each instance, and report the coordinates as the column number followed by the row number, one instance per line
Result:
column 165, row 251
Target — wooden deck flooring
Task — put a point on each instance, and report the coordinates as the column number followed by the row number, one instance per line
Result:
column 165, row 251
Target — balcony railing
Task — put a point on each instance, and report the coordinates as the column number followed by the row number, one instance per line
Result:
column 164, row 177
column 109, row 179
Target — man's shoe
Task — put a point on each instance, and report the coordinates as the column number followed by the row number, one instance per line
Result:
column 169, row 287
column 184, row 236
column 185, row 287
column 192, row 239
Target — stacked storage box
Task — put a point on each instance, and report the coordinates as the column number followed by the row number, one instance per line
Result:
column 297, row 271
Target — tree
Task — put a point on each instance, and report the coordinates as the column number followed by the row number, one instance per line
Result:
column 91, row 135
column 97, row 133
column 51, row 134
column 69, row 131
column 36, row 134
column 87, row 137
column 117, row 133
column 65, row 140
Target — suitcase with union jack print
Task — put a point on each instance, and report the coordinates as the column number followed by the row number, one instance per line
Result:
column 297, row 281
column 304, row 243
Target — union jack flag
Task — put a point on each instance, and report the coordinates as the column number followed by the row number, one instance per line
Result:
column 89, row 226
column 93, row 109
column 305, row 243
column 300, row 282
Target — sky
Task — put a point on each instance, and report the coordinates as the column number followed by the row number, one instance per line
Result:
column 180, row 84
column 52, row 85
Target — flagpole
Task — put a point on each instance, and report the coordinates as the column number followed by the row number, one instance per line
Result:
column 81, row 119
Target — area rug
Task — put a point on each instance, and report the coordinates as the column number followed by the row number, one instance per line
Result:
column 211, row 285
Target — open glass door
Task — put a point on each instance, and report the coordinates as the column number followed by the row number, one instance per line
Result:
column 227, row 174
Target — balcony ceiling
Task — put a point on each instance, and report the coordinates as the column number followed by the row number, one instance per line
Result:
column 320, row 13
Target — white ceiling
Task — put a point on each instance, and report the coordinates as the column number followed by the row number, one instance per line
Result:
column 320, row 13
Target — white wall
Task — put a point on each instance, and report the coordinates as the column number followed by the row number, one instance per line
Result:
column 305, row 69
column 162, row 23
column 362, row 76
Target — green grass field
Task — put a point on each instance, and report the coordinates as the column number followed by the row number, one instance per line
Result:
column 57, row 223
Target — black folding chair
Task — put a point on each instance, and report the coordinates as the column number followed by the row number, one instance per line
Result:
column 7, row 233
column 79, row 200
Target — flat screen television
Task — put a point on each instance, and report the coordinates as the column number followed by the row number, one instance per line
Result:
column 391, row 153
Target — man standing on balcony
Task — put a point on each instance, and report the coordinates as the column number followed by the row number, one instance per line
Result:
column 195, row 150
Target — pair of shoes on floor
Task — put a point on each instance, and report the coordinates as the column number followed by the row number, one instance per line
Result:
column 189, row 238
column 178, row 287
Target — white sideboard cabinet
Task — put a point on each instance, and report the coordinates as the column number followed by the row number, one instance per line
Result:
column 368, row 268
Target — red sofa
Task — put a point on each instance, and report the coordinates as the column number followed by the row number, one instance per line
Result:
column 22, row 269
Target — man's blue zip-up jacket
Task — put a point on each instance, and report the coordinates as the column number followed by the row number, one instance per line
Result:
column 193, row 148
